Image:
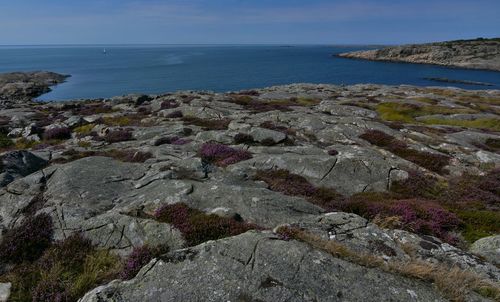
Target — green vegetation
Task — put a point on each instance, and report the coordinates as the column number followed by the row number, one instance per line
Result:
column 207, row 124
column 483, row 123
column 84, row 130
column 5, row 142
column 479, row 224
column 65, row 271
column 402, row 112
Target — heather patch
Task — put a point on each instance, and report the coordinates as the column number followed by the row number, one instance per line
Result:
column 430, row 161
column 169, row 104
column 198, row 227
column 139, row 257
column 28, row 241
column 295, row 185
column 65, row 272
column 257, row 105
column 175, row 114
column 119, row 135
column 222, row 155
column 207, row 124
column 416, row 215
column 127, row 155
column 58, row 133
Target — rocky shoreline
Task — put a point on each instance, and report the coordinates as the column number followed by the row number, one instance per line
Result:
column 471, row 54
column 289, row 193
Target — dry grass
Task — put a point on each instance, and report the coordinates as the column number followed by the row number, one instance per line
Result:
column 389, row 222
column 454, row 283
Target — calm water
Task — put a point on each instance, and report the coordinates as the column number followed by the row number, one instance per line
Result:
column 157, row 69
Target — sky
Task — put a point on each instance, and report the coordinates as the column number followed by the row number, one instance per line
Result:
column 35, row 22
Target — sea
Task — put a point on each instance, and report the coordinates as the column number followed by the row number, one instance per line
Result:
column 102, row 71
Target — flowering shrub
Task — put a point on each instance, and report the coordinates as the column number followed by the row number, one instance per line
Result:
column 430, row 161
column 128, row 155
column 378, row 138
column 175, row 114
column 242, row 138
column 28, row 241
column 417, row 185
column 171, row 140
column 57, row 133
column 198, row 227
column 169, row 104
column 222, row 155
column 416, row 215
column 70, row 252
column 207, row 124
column 51, row 290
column 65, row 272
column 181, row 141
column 333, row 152
column 91, row 109
column 272, row 126
column 139, row 257
column 295, row 185
column 119, row 135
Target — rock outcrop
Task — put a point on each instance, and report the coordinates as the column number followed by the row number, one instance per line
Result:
column 473, row 54
column 20, row 86
column 288, row 193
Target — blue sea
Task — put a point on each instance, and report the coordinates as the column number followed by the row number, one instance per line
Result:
column 155, row 69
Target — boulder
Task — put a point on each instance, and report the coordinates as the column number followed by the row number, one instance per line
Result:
column 5, row 291
column 488, row 247
column 267, row 135
column 18, row 164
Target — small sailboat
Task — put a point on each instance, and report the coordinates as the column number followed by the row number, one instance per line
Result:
column 104, row 51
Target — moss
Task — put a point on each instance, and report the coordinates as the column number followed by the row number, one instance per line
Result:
column 396, row 112
column 120, row 121
column 481, row 123
column 23, row 143
column 403, row 112
column 479, row 224
column 83, row 144
column 307, row 101
column 84, row 130
column 5, row 142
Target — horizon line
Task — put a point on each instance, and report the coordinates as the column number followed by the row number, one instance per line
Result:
column 201, row 44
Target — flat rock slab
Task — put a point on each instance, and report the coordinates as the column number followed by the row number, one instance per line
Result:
column 260, row 267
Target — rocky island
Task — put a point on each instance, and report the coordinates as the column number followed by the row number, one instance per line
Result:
column 290, row 193
column 473, row 54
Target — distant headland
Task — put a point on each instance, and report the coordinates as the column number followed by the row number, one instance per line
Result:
column 473, row 54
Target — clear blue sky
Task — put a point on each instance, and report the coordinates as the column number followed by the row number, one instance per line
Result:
column 245, row 21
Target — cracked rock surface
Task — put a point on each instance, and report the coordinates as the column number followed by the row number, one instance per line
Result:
column 126, row 157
